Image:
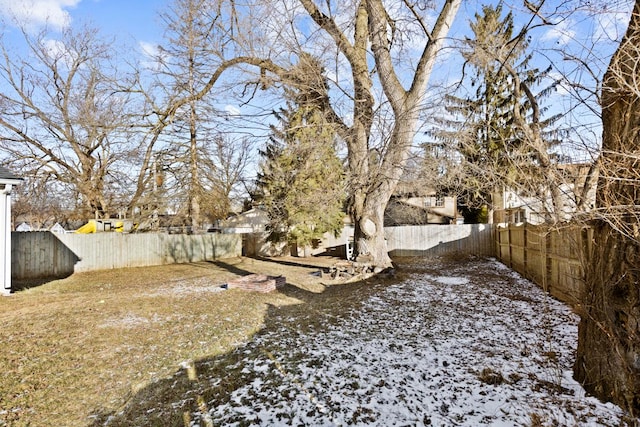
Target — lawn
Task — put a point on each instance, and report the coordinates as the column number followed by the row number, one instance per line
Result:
column 83, row 345
column 447, row 342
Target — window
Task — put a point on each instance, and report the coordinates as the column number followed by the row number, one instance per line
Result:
column 519, row 216
column 439, row 202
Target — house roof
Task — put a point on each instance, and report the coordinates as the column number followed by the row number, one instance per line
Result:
column 252, row 220
column 404, row 189
column 7, row 176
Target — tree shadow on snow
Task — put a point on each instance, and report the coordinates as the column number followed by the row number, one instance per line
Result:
column 210, row 382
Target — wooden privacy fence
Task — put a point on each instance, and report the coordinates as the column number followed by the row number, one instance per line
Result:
column 551, row 257
column 405, row 240
column 420, row 240
column 43, row 254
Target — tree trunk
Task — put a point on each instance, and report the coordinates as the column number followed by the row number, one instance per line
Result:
column 376, row 185
column 371, row 245
column 194, row 184
column 608, row 357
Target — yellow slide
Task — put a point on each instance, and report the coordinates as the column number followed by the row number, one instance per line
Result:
column 88, row 228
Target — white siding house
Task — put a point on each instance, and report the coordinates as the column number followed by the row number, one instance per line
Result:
column 7, row 181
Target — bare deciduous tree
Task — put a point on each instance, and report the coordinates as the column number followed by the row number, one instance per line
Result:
column 365, row 29
column 225, row 164
column 608, row 358
column 222, row 165
column 183, row 64
column 37, row 203
column 63, row 117
column 204, row 165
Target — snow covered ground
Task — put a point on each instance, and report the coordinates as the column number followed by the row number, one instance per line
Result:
column 466, row 343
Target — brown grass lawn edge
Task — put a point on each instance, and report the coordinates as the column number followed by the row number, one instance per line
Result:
column 81, row 347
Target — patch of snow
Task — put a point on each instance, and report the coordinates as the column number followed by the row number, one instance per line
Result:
column 493, row 349
column 187, row 287
column 449, row 280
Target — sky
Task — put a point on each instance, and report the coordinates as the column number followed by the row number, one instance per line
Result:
column 135, row 24
column 137, row 20
column 121, row 18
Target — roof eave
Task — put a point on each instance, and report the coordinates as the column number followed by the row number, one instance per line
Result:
column 12, row 181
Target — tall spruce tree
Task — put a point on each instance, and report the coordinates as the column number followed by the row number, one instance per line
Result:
column 489, row 115
column 483, row 127
column 301, row 181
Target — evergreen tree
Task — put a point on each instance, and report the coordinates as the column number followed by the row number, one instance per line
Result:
column 489, row 114
column 483, row 127
column 301, row 182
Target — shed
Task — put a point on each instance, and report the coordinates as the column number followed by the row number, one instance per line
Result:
column 7, row 181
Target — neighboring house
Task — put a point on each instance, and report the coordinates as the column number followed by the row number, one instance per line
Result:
column 23, row 226
column 252, row 221
column 578, row 191
column 7, row 181
column 57, row 228
column 426, row 208
column 252, row 224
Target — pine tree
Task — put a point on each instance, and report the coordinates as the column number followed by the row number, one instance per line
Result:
column 483, row 127
column 491, row 117
column 301, row 179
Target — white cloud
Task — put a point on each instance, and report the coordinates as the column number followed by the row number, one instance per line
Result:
column 35, row 13
column 57, row 50
column 232, row 110
column 153, row 55
column 563, row 88
column 562, row 33
column 149, row 49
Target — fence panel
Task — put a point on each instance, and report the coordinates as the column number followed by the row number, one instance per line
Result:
column 503, row 249
column 517, row 237
column 536, row 255
column 420, row 240
column 46, row 254
column 42, row 254
column 552, row 258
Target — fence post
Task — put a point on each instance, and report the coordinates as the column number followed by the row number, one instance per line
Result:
column 545, row 260
column 525, row 248
column 509, row 228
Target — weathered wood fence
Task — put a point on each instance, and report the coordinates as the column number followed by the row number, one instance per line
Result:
column 554, row 258
column 42, row 254
column 544, row 256
column 421, row 240
column 405, row 240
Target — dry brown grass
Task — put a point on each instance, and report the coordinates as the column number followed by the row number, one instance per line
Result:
column 86, row 343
